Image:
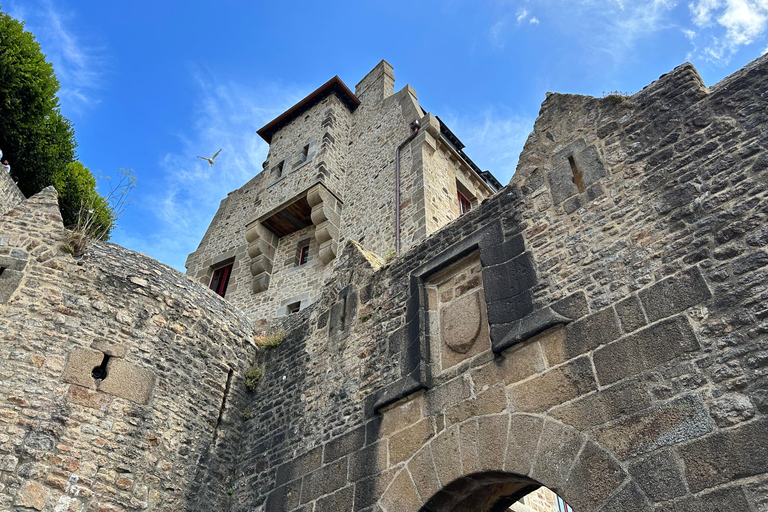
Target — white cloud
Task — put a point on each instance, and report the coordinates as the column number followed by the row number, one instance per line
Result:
column 534, row 21
column 521, row 15
column 78, row 65
column 227, row 116
column 744, row 22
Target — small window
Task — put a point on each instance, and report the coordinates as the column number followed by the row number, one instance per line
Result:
column 304, row 254
column 293, row 308
column 277, row 171
column 220, row 279
column 464, row 204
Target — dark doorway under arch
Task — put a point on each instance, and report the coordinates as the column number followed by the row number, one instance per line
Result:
column 494, row 491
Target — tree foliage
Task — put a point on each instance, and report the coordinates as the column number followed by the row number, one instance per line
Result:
column 38, row 141
column 78, row 199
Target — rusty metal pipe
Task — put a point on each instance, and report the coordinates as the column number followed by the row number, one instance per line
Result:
column 414, row 131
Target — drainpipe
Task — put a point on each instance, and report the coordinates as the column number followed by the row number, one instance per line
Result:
column 414, row 131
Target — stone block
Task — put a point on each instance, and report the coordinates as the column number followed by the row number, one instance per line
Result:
column 605, row 405
column 368, row 461
column 674, row 294
column 340, row 501
column 658, row 475
column 9, row 281
column 522, row 442
column 423, row 472
column 644, row 350
column 299, row 466
column 561, row 183
column 629, row 497
column 128, row 381
column 492, row 432
column 573, row 306
column 448, row 394
column 285, row 497
column 108, row 347
column 468, row 446
column 80, row 366
column 402, row 495
column 726, row 455
column 325, row 480
column 516, row 364
column 589, row 165
column 405, row 443
column 344, row 444
column 509, row 279
column 594, row 477
column 675, row 422
column 507, row 335
column 490, row 402
column 512, row 309
column 446, row 454
column 31, row 495
column 554, row 387
column 368, row 491
column 721, row 500
column 402, row 415
column 630, row 314
column 557, row 450
column 584, row 335
column 501, row 253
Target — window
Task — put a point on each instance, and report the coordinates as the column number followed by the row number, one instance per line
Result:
column 562, row 506
column 220, row 279
column 304, row 254
column 277, row 171
column 293, row 308
column 464, row 204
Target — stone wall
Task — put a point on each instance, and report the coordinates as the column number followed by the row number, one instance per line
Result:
column 10, row 195
column 598, row 327
column 353, row 154
column 173, row 355
column 622, row 274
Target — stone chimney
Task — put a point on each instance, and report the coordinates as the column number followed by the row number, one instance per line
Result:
column 376, row 85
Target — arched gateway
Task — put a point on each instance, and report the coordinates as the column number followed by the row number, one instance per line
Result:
column 598, row 327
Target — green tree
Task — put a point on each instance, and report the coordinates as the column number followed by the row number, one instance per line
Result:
column 36, row 139
column 81, row 206
column 39, row 142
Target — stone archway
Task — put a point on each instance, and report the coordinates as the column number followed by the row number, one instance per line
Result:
column 488, row 457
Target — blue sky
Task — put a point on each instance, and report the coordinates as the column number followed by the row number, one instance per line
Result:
column 151, row 85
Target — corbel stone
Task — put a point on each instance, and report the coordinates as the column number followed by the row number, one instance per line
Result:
column 261, row 248
column 326, row 220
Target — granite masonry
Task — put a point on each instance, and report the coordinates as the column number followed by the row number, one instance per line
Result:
column 598, row 327
column 338, row 164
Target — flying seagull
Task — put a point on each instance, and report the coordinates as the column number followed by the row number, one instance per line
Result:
column 210, row 160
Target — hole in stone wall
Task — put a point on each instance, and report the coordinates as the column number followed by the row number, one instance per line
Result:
column 294, row 308
column 2, row 269
column 577, row 178
column 100, row 372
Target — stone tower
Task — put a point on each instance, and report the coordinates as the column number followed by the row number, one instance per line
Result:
column 370, row 166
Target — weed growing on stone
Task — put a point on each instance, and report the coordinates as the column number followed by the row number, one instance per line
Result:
column 270, row 340
column 616, row 97
column 230, row 491
column 247, row 413
column 252, row 377
column 97, row 215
